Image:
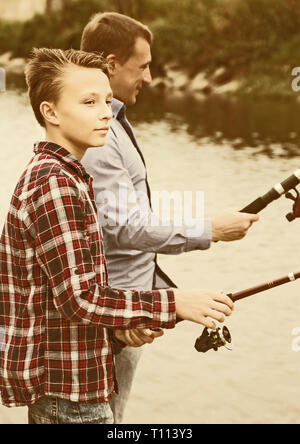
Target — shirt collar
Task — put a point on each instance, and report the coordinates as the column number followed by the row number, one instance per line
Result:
column 62, row 154
column 117, row 106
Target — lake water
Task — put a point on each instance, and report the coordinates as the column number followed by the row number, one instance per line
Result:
column 234, row 151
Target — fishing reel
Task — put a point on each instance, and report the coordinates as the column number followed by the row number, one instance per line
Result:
column 213, row 339
column 296, row 207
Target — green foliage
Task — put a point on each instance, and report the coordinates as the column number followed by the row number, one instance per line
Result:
column 248, row 36
column 210, row 34
column 10, row 35
column 59, row 29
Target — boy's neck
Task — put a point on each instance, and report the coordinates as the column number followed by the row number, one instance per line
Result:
column 76, row 151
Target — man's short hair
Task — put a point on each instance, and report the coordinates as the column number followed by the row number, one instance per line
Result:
column 113, row 33
column 45, row 70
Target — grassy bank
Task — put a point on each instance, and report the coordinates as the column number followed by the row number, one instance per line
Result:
column 257, row 40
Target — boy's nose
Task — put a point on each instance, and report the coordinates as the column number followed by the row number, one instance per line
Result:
column 106, row 113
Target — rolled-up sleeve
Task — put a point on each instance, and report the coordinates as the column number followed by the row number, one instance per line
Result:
column 57, row 224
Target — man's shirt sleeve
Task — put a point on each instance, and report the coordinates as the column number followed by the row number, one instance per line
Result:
column 57, row 224
column 129, row 222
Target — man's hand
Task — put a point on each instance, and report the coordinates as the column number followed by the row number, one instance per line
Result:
column 232, row 225
column 138, row 336
column 198, row 305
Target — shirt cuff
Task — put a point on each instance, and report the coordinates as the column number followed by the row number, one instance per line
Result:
column 199, row 237
column 164, row 309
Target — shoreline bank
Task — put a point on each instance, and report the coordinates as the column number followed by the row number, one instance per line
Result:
column 221, row 82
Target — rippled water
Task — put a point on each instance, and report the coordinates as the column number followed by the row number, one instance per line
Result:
column 232, row 151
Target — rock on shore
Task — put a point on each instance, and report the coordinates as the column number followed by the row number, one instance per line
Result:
column 221, row 81
column 12, row 65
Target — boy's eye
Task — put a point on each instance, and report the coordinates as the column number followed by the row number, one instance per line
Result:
column 90, row 102
column 109, row 102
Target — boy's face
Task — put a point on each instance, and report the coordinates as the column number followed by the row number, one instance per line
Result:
column 83, row 111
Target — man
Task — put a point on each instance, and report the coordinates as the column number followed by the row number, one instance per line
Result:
column 131, row 246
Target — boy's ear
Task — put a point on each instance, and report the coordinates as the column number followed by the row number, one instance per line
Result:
column 47, row 110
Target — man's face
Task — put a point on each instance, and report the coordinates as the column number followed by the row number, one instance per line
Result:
column 127, row 79
column 84, row 108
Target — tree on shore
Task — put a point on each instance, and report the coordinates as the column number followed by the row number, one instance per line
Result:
column 133, row 8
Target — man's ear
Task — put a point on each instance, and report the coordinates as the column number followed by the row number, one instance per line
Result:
column 112, row 64
column 48, row 111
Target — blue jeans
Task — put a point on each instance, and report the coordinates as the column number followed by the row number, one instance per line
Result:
column 126, row 363
column 48, row 410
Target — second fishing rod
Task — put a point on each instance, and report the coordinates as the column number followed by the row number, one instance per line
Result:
column 214, row 339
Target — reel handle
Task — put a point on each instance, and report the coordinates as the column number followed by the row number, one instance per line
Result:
column 295, row 213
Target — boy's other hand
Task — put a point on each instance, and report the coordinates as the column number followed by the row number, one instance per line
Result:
column 138, row 337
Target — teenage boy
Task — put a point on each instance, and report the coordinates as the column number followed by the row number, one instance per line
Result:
column 132, row 247
column 57, row 313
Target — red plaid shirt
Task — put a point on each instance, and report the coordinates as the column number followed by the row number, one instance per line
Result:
column 57, row 313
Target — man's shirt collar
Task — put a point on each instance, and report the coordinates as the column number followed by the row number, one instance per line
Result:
column 117, row 106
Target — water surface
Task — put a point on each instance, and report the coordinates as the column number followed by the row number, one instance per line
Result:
column 233, row 151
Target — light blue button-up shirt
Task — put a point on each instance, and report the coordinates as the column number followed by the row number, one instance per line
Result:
column 131, row 246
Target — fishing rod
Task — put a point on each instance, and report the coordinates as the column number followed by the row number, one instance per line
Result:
column 283, row 188
column 214, row 339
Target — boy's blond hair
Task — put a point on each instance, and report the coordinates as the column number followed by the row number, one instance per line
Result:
column 44, row 73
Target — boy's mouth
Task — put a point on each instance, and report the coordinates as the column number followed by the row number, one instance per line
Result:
column 102, row 130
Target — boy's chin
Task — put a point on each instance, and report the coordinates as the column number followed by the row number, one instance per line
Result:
column 98, row 143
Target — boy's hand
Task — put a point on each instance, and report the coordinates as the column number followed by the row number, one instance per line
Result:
column 232, row 225
column 138, row 336
column 198, row 305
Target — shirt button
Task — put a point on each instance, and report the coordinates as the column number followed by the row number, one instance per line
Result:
column 77, row 271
